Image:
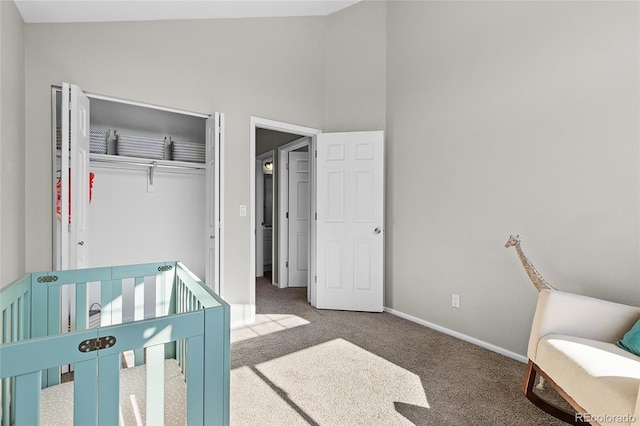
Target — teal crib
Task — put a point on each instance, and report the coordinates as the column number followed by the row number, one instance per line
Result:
column 156, row 315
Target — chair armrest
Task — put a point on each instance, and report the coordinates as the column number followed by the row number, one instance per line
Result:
column 576, row 315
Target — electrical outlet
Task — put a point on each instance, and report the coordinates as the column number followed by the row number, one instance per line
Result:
column 455, row 300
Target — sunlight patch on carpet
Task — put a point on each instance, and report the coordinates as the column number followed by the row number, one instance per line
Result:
column 339, row 383
column 258, row 403
column 266, row 324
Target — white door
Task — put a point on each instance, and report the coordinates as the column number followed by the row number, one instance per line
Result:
column 349, row 227
column 214, row 135
column 74, row 178
column 298, row 219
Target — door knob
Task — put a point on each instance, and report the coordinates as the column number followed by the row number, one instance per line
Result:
column 377, row 230
column 80, row 243
column 211, row 237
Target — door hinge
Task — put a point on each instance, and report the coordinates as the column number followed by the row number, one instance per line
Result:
column 287, row 166
column 69, row 105
column 316, row 215
column 287, row 263
column 287, row 215
column 316, row 153
column 97, row 343
column 315, row 279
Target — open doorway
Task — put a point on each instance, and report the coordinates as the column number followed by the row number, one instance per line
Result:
column 265, row 208
column 272, row 141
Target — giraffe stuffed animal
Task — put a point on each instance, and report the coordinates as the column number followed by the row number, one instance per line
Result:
column 535, row 277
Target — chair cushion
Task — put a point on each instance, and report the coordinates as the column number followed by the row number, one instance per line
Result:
column 631, row 339
column 601, row 377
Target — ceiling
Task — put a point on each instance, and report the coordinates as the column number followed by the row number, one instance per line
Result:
column 51, row 11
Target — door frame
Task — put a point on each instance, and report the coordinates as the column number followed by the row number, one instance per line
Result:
column 259, row 219
column 283, row 202
column 280, row 126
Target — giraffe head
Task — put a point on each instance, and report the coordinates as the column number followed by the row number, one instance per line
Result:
column 513, row 241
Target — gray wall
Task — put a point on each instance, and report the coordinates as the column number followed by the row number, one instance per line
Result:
column 356, row 68
column 12, row 153
column 501, row 117
column 510, row 117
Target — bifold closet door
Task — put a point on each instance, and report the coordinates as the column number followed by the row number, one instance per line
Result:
column 74, row 182
column 213, row 199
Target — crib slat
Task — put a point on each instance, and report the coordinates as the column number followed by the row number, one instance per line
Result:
column 155, row 385
column 15, row 309
column 108, row 389
column 24, row 317
column 195, row 381
column 85, row 392
column 27, row 399
column 5, row 323
column 53, row 329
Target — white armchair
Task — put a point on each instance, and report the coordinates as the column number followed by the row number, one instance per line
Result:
column 572, row 346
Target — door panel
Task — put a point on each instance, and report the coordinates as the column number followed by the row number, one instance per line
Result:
column 298, row 219
column 350, row 204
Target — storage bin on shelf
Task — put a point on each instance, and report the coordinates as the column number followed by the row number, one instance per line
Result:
column 187, row 151
column 98, row 140
column 140, row 146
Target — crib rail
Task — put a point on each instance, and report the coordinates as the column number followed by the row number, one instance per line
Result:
column 186, row 321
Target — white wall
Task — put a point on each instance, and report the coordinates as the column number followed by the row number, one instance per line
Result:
column 12, row 153
column 510, row 117
column 270, row 68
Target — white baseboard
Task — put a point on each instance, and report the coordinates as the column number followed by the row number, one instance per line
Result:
column 473, row 340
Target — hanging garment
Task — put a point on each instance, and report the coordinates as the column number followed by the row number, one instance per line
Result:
column 59, row 195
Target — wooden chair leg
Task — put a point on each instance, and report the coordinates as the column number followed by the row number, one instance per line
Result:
column 555, row 411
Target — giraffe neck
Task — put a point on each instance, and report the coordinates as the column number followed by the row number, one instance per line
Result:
column 535, row 277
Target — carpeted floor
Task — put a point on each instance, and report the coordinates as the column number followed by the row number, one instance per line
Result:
column 301, row 366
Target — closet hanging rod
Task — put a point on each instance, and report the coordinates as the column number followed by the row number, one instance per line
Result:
column 114, row 159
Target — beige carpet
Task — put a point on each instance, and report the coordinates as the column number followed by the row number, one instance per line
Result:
column 301, row 366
